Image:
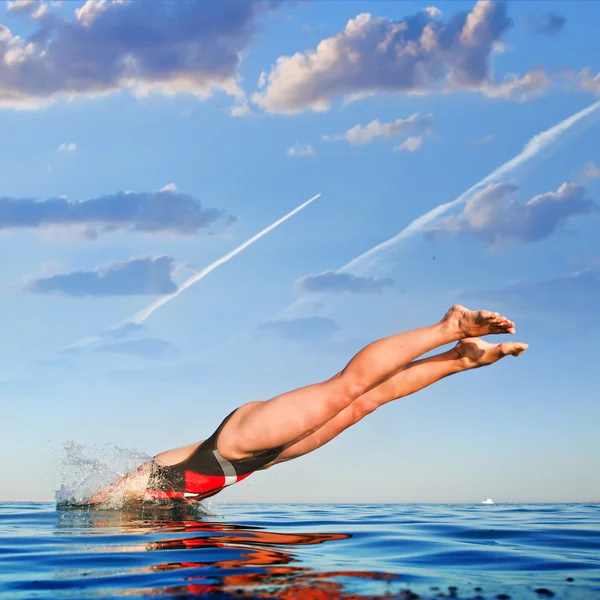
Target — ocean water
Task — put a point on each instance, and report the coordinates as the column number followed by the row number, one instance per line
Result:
column 302, row 551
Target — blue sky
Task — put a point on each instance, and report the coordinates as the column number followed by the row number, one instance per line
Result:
column 143, row 141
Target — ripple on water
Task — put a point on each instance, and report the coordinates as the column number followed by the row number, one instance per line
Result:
column 346, row 552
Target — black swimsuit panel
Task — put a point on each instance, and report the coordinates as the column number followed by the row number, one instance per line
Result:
column 205, row 472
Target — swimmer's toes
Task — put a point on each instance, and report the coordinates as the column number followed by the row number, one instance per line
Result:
column 467, row 323
column 475, row 352
column 514, row 348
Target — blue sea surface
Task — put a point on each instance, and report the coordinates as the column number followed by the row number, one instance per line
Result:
column 302, row 551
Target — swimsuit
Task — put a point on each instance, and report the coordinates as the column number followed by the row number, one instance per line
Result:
column 205, row 472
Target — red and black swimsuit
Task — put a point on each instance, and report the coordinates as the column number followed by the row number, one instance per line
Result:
column 205, row 472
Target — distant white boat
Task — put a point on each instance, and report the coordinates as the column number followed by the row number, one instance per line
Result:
column 488, row 501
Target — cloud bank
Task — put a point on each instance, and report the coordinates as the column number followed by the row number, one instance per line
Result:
column 143, row 212
column 106, row 46
column 148, row 276
column 418, row 55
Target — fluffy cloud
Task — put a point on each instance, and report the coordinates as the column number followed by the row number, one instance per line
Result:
column 363, row 134
column 418, row 55
column 338, row 283
column 300, row 150
column 433, row 11
column 152, row 348
column 306, row 329
column 17, row 6
column 529, row 85
column 109, row 45
column 147, row 212
column 411, row 144
column 589, row 83
column 548, row 23
column 496, row 217
column 138, row 276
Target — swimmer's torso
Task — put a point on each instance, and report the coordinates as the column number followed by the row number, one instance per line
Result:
column 204, row 472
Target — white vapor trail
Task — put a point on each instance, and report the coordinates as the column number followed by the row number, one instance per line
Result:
column 140, row 317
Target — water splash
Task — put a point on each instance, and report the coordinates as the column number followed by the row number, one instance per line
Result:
column 86, row 470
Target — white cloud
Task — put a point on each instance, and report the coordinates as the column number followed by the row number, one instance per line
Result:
column 87, row 13
column 589, row 83
column 412, row 144
column 35, row 8
column 67, row 147
column 363, row 134
column 591, row 171
column 300, row 150
column 240, row 110
column 433, row 11
column 500, row 48
column 529, row 85
column 19, row 5
column 496, row 217
column 375, row 55
column 170, row 187
column 39, row 11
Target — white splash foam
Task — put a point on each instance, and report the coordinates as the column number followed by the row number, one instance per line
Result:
column 85, row 470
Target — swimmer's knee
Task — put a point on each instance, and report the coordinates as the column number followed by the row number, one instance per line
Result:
column 349, row 388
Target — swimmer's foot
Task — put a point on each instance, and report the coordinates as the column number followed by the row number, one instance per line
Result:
column 473, row 352
column 465, row 323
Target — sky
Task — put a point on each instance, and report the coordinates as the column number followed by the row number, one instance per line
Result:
column 455, row 149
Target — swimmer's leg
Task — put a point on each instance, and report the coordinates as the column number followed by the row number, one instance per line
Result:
column 258, row 426
column 468, row 354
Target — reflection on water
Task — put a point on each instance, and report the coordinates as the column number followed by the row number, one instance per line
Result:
column 223, row 558
column 474, row 552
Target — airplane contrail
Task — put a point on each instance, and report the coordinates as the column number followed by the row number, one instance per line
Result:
column 141, row 316
column 367, row 261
